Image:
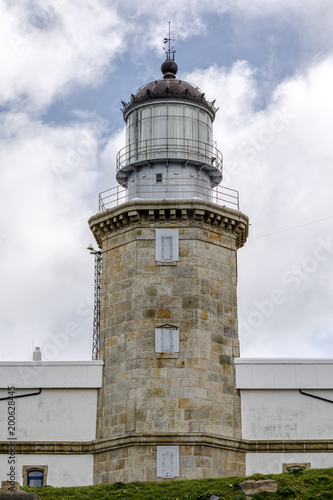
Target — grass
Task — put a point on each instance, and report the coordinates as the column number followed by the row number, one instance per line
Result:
column 296, row 484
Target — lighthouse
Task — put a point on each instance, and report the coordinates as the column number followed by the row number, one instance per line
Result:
column 168, row 235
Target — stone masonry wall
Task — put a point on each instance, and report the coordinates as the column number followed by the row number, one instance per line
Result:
column 187, row 393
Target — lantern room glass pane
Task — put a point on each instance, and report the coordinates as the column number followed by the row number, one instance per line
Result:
column 159, row 110
column 159, row 128
column 145, row 112
column 203, row 116
column 191, row 112
column 131, row 134
column 175, row 128
column 131, row 128
column 175, row 110
column 145, row 130
column 203, row 132
column 169, row 129
column 191, row 129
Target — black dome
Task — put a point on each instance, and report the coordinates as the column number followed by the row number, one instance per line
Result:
column 168, row 87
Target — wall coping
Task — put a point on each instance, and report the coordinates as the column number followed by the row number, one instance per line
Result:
column 284, row 373
column 51, row 374
column 283, row 361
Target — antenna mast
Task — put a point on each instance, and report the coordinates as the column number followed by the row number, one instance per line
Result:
column 97, row 304
column 97, row 300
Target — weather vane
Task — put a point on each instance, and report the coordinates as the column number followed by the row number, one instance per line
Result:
column 170, row 51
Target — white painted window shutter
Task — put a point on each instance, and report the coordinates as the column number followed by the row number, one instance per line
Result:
column 168, row 461
column 174, row 340
column 158, row 340
column 167, row 245
column 166, row 340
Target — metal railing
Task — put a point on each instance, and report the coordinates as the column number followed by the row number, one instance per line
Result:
column 183, row 188
column 188, row 149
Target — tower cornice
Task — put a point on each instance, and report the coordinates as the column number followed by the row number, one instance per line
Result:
column 220, row 219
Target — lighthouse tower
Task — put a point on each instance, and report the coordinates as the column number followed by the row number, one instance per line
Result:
column 168, row 407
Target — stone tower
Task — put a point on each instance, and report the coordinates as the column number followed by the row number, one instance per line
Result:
column 168, row 407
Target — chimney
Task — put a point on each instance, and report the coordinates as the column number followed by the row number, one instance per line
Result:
column 37, row 355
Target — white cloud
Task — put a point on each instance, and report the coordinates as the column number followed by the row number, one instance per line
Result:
column 48, row 47
column 313, row 21
column 48, row 182
column 280, row 159
column 109, row 154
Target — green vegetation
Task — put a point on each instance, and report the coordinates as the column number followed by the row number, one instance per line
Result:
column 296, row 484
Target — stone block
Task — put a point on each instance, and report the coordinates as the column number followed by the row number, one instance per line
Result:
column 203, row 462
column 119, row 464
column 229, row 389
column 164, row 313
column 149, row 313
column 183, row 270
column 190, row 302
column 6, row 494
column 196, row 414
column 193, row 426
column 224, row 359
column 189, row 461
column 154, row 393
column 168, row 302
column 252, row 487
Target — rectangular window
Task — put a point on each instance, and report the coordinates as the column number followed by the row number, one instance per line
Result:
column 167, row 461
column 159, row 177
column 167, row 245
column 166, row 340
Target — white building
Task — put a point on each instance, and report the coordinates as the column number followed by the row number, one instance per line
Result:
column 53, row 421
column 286, row 412
column 286, row 416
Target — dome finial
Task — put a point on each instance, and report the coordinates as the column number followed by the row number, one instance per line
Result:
column 169, row 67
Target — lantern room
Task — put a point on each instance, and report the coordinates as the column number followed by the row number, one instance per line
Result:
column 169, row 152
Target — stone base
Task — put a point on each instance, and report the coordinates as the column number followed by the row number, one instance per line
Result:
column 139, row 463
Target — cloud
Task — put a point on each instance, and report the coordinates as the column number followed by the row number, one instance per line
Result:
column 280, row 159
column 48, row 184
column 189, row 18
column 109, row 154
column 278, row 155
column 48, row 48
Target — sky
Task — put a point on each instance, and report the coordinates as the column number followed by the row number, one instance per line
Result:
column 65, row 67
